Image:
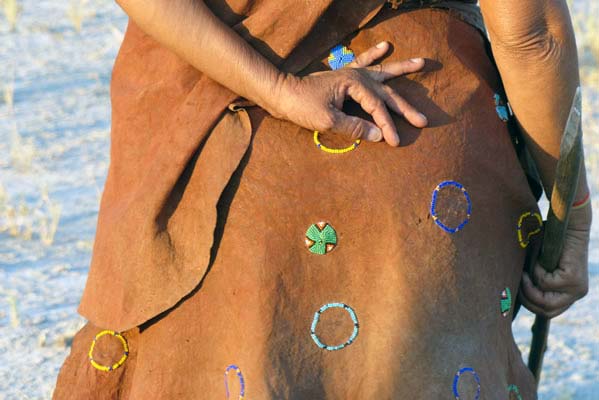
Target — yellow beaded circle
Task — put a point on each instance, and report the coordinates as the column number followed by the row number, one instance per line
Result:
column 334, row 151
column 120, row 362
column 524, row 241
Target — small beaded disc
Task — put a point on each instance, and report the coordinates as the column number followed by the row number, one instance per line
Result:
column 456, row 380
column 505, row 301
column 514, row 389
column 501, row 108
column 108, row 368
column 340, row 56
column 349, row 341
column 321, row 238
column 239, row 376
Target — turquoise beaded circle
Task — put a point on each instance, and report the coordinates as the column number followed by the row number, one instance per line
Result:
column 349, row 341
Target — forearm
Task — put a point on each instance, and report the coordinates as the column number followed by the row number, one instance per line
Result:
column 534, row 46
column 192, row 31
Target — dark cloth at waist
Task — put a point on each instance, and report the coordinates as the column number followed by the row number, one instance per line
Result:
column 467, row 10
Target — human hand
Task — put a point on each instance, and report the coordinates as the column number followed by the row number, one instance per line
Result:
column 315, row 101
column 551, row 293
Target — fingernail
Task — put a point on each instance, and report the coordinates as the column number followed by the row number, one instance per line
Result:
column 374, row 134
column 381, row 45
column 415, row 60
column 424, row 117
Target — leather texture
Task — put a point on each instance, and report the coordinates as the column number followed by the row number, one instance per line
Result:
column 427, row 302
column 158, row 209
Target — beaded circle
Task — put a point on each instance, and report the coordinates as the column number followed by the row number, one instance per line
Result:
column 340, row 56
column 434, row 206
column 241, row 381
column 501, row 108
column 506, row 301
column 107, row 368
column 334, row 151
column 349, row 341
column 321, row 238
column 524, row 242
column 456, row 380
column 514, row 388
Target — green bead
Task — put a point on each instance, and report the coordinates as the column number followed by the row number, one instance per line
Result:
column 321, row 238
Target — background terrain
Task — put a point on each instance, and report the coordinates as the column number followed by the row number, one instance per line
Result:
column 55, row 64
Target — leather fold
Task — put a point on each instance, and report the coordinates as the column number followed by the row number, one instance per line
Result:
column 177, row 137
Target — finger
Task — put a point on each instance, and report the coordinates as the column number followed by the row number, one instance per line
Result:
column 548, row 301
column 382, row 72
column 355, row 127
column 548, row 281
column 403, row 108
column 530, row 306
column 375, row 106
column 538, row 310
column 369, row 56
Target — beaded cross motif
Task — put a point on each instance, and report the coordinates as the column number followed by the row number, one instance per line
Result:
column 239, row 376
column 340, row 56
column 502, row 108
column 514, row 389
column 321, row 238
column 456, row 380
column 107, row 368
column 506, row 301
column 353, row 317
column 524, row 242
column 434, row 206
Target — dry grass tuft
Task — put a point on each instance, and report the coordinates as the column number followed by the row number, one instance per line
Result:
column 11, row 12
column 22, row 152
column 76, row 13
column 9, row 95
column 21, row 220
column 49, row 220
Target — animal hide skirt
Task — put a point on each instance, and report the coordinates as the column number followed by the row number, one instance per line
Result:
column 375, row 273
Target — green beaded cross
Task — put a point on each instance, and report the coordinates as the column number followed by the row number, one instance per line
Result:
column 506, row 301
column 321, row 238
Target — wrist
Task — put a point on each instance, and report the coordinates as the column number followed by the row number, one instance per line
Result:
column 276, row 99
column 581, row 216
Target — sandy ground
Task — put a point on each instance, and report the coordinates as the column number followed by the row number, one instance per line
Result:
column 54, row 141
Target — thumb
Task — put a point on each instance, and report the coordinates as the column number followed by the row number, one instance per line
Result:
column 356, row 128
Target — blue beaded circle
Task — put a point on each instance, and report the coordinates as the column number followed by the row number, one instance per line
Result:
column 434, row 206
column 241, row 381
column 456, row 380
column 349, row 341
column 340, row 56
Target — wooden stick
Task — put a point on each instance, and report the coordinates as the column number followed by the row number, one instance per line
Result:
column 562, row 197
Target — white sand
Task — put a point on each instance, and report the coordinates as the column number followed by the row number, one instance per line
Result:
column 56, row 134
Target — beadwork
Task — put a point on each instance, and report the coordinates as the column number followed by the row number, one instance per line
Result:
column 349, row 341
column 334, row 151
column 524, row 242
column 321, row 238
column 114, row 366
column 506, row 301
column 340, row 56
column 514, row 388
column 582, row 203
column 434, row 206
column 501, row 108
column 456, row 380
column 241, row 381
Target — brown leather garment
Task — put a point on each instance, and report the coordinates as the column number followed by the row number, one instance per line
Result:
column 158, row 209
column 427, row 301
